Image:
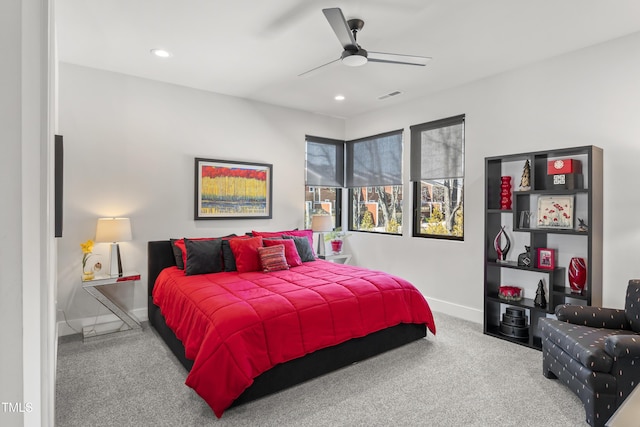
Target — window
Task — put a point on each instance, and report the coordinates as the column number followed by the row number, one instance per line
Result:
column 324, row 177
column 374, row 178
column 437, row 171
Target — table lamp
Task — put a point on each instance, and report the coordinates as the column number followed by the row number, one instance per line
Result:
column 114, row 230
column 320, row 224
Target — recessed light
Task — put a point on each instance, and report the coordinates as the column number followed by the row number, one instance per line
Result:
column 339, row 97
column 161, row 53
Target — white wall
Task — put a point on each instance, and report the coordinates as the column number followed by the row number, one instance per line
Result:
column 130, row 145
column 589, row 97
column 26, row 282
column 11, row 364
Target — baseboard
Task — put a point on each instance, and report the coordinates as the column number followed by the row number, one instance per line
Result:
column 102, row 322
column 456, row 310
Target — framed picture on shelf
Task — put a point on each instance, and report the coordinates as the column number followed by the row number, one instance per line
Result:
column 555, row 212
column 232, row 190
column 546, row 258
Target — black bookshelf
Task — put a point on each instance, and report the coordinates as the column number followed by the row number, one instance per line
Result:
column 567, row 243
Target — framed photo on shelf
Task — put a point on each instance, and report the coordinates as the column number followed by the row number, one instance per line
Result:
column 555, row 212
column 232, row 190
column 546, row 258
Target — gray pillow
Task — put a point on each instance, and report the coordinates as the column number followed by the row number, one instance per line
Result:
column 203, row 256
column 303, row 246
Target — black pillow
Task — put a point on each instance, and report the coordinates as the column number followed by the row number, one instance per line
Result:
column 203, row 256
column 177, row 254
column 227, row 257
column 303, row 246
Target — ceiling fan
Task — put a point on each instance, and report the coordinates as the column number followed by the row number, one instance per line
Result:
column 354, row 55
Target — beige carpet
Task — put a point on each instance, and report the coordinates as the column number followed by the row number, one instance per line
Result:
column 458, row 378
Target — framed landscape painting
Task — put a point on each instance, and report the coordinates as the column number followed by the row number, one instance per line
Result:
column 232, row 190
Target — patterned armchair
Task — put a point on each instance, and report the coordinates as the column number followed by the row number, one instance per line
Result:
column 596, row 352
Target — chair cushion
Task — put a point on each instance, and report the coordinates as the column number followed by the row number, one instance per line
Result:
column 583, row 343
column 632, row 304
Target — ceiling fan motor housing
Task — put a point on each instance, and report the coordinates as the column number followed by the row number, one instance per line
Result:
column 354, row 58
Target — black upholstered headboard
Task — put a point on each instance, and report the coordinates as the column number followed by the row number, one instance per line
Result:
column 160, row 256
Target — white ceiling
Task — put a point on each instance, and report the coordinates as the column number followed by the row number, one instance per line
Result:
column 255, row 49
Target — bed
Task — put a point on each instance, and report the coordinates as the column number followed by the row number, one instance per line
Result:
column 284, row 373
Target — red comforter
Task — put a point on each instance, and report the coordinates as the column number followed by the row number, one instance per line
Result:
column 237, row 326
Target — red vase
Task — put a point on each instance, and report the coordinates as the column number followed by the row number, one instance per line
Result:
column 577, row 275
column 505, row 193
column 336, row 246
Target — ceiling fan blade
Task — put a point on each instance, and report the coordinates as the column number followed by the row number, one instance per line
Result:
column 339, row 24
column 313, row 70
column 394, row 58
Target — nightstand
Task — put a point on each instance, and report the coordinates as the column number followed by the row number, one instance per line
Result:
column 95, row 287
column 337, row 258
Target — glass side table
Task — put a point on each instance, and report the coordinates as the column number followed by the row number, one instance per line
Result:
column 95, row 287
column 337, row 258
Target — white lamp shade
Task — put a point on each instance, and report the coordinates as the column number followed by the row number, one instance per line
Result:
column 321, row 223
column 113, row 230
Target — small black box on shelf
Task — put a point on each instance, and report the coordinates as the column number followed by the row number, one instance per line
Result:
column 565, row 181
column 514, row 323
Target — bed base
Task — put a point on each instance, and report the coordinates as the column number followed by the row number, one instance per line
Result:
column 284, row 375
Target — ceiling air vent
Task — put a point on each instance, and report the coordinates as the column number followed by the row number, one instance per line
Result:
column 390, row 94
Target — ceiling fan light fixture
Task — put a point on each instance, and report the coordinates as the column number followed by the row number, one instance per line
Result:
column 354, row 59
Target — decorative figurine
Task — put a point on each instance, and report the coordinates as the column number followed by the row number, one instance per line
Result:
column 525, row 219
column 505, row 193
column 524, row 259
column 540, row 300
column 497, row 244
column 582, row 226
column 525, row 181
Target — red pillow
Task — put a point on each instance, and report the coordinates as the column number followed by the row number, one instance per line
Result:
column 245, row 252
column 270, row 233
column 300, row 233
column 272, row 258
column 290, row 250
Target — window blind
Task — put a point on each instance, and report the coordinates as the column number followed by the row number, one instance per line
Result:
column 437, row 149
column 325, row 162
column 375, row 161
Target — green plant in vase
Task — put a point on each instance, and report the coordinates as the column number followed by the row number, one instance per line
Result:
column 336, row 237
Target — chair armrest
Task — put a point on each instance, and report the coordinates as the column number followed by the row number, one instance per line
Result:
column 594, row 317
column 623, row 346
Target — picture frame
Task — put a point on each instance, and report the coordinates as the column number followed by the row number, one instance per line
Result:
column 227, row 189
column 546, row 258
column 556, row 212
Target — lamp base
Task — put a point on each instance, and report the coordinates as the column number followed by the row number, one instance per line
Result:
column 321, row 246
column 115, row 268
